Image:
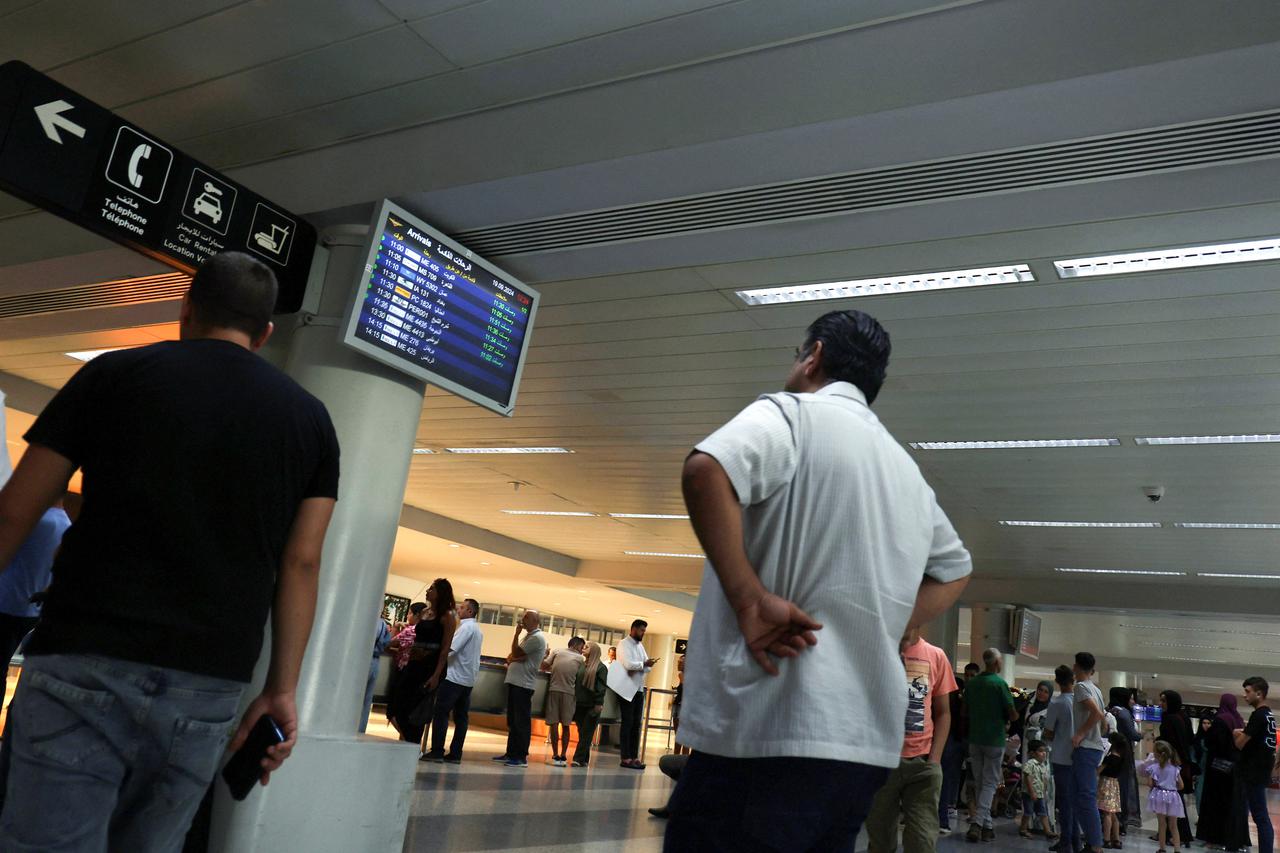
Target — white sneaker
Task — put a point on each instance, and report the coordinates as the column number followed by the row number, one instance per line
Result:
column 944, row 830
column 560, row 762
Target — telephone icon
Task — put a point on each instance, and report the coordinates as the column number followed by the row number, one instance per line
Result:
column 142, row 152
column 139, row 165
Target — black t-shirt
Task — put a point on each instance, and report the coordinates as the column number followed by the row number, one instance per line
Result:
column 195, row 456
column 1112, row 765
column 1258, row 755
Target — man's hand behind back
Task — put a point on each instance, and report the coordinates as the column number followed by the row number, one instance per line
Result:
column 774, row 627
column 283, row 709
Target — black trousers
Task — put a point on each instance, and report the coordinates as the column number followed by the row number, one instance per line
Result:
column 632, row 721
column 12, row 630
column 587, row 719
column 455, row 698
column 519, row 720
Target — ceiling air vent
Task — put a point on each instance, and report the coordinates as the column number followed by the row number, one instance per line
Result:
column 1146, row 152
column 103, row 294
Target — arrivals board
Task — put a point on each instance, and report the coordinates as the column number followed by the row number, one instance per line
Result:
column 64, row 153
column 428, row 306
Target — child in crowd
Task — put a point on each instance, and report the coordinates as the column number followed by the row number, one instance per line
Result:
column 1109, row 789
column 1035, row 782
column 1163, row 769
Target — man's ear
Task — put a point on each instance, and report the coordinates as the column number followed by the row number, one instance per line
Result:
column 257, row 343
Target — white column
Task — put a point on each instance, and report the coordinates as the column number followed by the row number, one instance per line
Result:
column 341, row 791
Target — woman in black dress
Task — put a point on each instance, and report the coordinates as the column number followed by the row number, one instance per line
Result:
column 416, row 688
column 1121, row 708
column 1175, row 729
column 1217, row 809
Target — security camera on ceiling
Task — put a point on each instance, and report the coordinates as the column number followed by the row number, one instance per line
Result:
column 1153, row 493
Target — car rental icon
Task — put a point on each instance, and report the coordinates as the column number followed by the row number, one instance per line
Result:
column 209, row 203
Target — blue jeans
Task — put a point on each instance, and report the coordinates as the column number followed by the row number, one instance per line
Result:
column 952, row 769
column 368, row 696
column 105, row 754
column 742, row 805
column 1084, row 777
column 455, row 698
column 1064, row 785
column 1256, row 797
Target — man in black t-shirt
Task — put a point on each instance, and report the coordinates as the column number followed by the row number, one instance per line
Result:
column 1257, row 745
column 209, row 478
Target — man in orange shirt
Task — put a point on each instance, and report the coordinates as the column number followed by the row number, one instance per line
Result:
column 914, row 787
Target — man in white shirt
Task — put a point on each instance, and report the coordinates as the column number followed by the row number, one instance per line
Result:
column 522, row 674
column 1089, row 745
column 824, row 544
column 455, row 692
column 626, row 679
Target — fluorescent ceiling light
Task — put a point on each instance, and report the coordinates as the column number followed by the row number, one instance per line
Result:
column 422, row 451
column 548, row 512
column 1224, row 525
column 1122, row 572
column 91, row 354
column 663, row 554
column 1211, row 254
column 1201, row 630
column 1209, row 439
column 1014, row 445
column 507, row 450
column 1079, row 523
column 908, row 283
column 644, row 515
column 1238, row 575
column 1193, row 660
column 1208, row 647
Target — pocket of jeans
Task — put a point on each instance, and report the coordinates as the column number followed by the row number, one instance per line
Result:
column 62, row 722
column 198, row 745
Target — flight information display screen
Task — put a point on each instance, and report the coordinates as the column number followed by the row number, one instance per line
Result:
column 426, row 305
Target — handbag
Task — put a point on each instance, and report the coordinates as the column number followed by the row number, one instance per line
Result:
column 424, row 708
column 1221, row 765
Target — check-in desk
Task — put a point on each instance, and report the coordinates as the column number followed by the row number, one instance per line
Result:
column 489, row 701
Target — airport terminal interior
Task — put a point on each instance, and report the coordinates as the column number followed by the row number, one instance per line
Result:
column 1065, row 214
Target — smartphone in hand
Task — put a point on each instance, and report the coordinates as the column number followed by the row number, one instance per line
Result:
column 244, row 770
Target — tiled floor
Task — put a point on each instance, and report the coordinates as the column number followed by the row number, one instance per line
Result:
column 482, row 806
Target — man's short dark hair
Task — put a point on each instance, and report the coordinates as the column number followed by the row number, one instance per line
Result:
column 1063, row 675
column 577, row 641
column 417, row 607
column 232, row 290
column 855, row 348
column 972, row 667
column 1086, row 661
column 474, row 605
column 1258, row 683
column 639, row 623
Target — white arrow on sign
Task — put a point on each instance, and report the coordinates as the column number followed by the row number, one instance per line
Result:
column 51, row 118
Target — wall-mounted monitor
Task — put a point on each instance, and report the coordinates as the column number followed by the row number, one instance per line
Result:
column 429, row 307
column 1024, row 633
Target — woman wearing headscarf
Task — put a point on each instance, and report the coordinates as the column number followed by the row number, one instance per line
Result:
column 1121, row 708
column 1175, row 729
column 1218, row 808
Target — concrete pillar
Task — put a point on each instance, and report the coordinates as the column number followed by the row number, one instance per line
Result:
column 944, row 632
column 989, row 628
column 340, row 791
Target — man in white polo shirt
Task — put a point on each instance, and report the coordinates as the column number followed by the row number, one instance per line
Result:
column 824, row 543
column 455, row 691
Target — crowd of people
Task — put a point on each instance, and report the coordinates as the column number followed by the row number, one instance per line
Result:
column 1069, row 761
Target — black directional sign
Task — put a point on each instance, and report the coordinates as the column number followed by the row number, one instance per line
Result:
column 70, row 156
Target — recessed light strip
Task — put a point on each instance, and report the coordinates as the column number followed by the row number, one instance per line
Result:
column 1238, row 575
column 645, row 515
column 1225, row 525
column 507, row 450
column 1261, row 438
column 1122, row 572
column 908, row 283
column 1210, row 254
column 1079, row 523
column 422, row 451
column 91, row 354
column 549, row 512
column 1015, row 444
column 664, row 554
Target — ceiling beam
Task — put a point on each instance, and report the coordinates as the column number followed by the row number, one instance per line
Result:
column 1107, row 593
column 486, row 540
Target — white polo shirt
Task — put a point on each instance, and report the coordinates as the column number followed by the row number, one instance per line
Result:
column 838, row 519
column 464, row 653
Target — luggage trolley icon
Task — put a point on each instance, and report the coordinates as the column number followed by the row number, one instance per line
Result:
column 271, row 234
column 274, row 241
